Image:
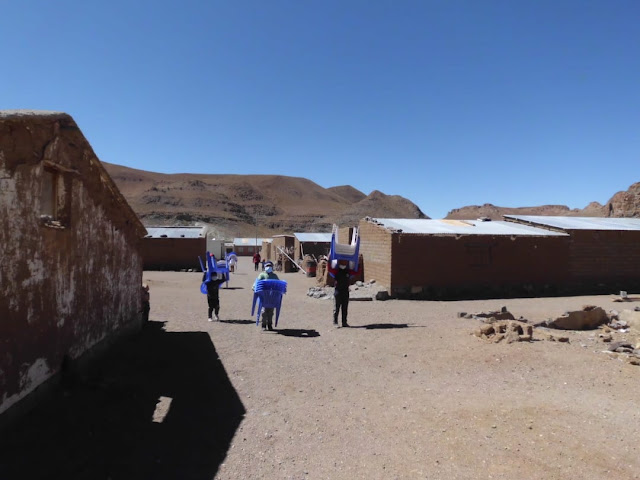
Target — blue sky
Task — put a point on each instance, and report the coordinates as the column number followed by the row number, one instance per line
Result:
column 446, row 102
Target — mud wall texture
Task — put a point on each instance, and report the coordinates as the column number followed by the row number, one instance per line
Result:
column 173, row 253
column 477, row 266
column 375, row 248
column 70, row 265
column 605, row 261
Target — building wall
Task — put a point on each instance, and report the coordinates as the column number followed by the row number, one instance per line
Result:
column 287, row 243
column 173, row 253
column 70, row 265
column 375, row 248
column 472, row 266
column 245, row 250
column 265, row 252
column 311, row 248
column 605, row 261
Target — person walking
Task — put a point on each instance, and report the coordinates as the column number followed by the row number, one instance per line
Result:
column 267, row 313
column 342, row 279
column 213, row 293
column 256, row 260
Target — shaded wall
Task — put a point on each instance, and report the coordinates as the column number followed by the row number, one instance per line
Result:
column 375, row 248
column 477, row 266
column 173, row 253
column 604, row 261
column 70, row 266
column 316, row 249
column 287, row 243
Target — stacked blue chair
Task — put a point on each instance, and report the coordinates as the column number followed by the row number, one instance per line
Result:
column 268, row 294
column 341, row 251
column 220, row 267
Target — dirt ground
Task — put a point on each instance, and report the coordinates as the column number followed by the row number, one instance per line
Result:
column 406, row 392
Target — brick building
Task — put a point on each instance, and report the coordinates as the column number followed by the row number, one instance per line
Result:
column 70, row 261
column 604, row 253
column 441, row 259
column 316, row 244
column 246, row 247
column 280, row 244
column 174, row 248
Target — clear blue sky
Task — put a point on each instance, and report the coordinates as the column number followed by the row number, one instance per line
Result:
column 446, row 102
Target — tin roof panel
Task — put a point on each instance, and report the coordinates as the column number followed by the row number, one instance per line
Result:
column 462, row 227
column 580, row 223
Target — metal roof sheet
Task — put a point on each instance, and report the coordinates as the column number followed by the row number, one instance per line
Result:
column 313, row 237
column 176, row 232
column 251, row 242
column 581, row 223
column 462, row 227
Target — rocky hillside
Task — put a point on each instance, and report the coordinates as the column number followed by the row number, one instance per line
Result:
column 622, row 204
column 238, row 205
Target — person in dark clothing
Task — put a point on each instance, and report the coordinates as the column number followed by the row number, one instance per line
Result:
column 256, row 260
column 342, row 279
column 213, row 293
column 146, row 306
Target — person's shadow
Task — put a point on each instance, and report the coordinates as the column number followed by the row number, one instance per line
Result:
column 158, row 405
column 239, row 322
column 297, row 332
column 382, row 326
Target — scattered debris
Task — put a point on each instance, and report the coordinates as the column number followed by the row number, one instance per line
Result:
column 509, row 331
column 588, row 318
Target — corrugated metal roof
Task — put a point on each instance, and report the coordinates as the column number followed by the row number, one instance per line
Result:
column 462, row 227
column 313, row 237
column 176, row 232
column 251, row 242
column 581, row 223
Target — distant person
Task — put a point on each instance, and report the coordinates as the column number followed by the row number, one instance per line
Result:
column 213, row 293
column 342, row 276
column 267, row 313
column 256, row 260
column 146, row 305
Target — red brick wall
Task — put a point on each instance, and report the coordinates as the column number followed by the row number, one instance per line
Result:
column 601, row 260
column 477, row 265
column 173, row 253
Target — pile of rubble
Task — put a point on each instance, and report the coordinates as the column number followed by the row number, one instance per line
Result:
column 501, row 326
column 360, row 291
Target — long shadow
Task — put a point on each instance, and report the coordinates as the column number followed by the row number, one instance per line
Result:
column 239, row 322
column 233, row 288
column 382, row 326
column 107, row 425
column 297, row 332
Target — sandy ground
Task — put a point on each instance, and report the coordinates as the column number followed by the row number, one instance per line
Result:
column 406, row 392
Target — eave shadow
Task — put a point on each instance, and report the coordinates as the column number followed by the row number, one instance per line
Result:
column 106, row 425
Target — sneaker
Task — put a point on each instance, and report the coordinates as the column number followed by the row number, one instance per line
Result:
column 345, row 324
column 209, row 320
column 217, row 317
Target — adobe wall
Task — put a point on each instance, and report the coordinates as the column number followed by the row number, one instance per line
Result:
column 173, row 253
column 288, row 244
column 477, row 266
column 605, row 261
column 71, row 280
column 375, row 248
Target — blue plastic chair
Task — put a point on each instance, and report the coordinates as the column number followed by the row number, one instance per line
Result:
column 268, row 294
column 220, row 267
column 341, row 251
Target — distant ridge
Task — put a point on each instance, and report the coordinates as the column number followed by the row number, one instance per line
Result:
column 243, row 205
column 622, row 204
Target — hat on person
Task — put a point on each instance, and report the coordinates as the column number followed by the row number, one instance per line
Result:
column 268, row 264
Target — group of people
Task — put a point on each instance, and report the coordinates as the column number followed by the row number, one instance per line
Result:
column 342, row 275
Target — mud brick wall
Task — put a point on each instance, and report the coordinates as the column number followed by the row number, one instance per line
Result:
column 173, row 253
column 604, row 261
column 375, row 248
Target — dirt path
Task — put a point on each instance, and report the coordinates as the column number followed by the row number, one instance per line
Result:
column 405, row 393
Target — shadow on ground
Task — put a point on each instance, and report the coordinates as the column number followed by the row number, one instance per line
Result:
column 106, row 426
column 239, row 322
column 297, row 332
column 382, row 326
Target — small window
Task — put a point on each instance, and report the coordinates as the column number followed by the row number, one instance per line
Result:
column 55, row 199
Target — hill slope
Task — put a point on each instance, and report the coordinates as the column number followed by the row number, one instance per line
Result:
column 622, row 204
column 237, row 204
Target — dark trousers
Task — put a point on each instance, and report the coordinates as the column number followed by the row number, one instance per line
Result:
column 145, row 311
column 267, row 318
column 340, row 302
column 256, row 266
column 214, row 302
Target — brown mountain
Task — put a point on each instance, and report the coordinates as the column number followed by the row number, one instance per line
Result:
column 238, row 205
column 622, row 204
